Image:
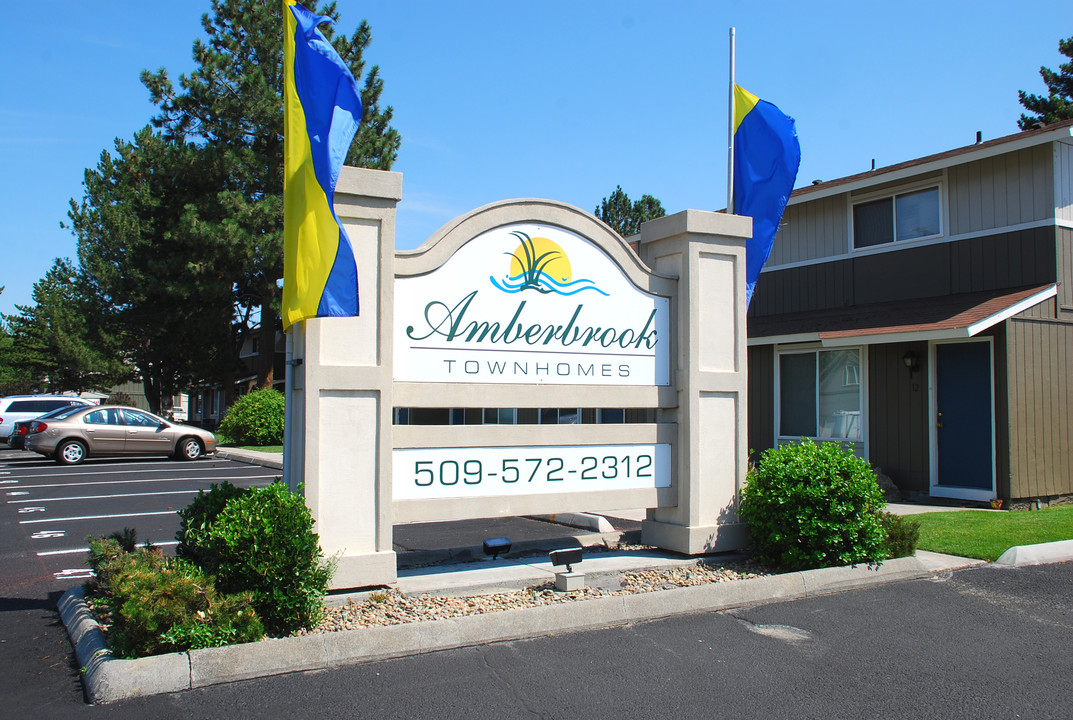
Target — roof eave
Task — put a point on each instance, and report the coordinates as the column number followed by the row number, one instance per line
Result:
column 930, row 163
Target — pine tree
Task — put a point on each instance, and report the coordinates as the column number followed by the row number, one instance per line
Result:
column 231, row 109
column 151, row 262
column 1057, row 105
column 56, row 344
column 625, row 217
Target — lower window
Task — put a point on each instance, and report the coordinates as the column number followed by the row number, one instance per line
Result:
column 820, row 394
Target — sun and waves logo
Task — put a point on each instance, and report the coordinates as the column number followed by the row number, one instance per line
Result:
column 540, row 264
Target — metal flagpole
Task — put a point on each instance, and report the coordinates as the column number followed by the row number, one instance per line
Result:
column 288, row 408
column 730, row 132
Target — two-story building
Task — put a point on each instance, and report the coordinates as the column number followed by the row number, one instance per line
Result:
column 924, row 312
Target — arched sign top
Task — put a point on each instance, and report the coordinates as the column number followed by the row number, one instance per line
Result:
column 455, row 234
column 511, row 299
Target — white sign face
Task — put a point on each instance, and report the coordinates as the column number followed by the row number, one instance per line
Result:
column 530, row 303
column 437, row 473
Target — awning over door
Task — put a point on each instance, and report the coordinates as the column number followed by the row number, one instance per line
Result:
column 939, row 318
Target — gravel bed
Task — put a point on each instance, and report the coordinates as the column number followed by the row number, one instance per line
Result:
column 391, row 607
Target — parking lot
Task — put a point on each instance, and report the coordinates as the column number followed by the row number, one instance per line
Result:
column 49, row 509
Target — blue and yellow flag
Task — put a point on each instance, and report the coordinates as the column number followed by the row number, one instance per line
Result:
column 322, row 110
column 766, row 158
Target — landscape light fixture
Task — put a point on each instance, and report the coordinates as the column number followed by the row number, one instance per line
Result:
column 496, row 546
column 912, row 361
column 567, row 581
column 566, row 557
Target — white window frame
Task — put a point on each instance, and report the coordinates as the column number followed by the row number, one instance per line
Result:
column 860, row 443
column 910, row 189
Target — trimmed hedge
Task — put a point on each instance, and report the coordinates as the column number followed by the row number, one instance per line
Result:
column 812, row 506
column 255, row 418
column 260, row 541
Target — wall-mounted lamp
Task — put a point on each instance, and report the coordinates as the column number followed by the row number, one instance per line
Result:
column 912, row 361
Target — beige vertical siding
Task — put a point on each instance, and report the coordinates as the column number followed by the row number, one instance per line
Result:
column 898, row 415
column 761, row 398
column 1063, row 180
column 1064, row 254
column 1040, row 397
column 999, row 191
column 811, row 231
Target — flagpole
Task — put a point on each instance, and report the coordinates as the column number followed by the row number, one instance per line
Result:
column 730, row 132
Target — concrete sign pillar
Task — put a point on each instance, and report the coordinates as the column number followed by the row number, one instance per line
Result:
column 706, row 252
column 340, row 416
column 514, row 309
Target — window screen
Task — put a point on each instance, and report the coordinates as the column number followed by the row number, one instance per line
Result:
column 873, row 223
column 797, row 395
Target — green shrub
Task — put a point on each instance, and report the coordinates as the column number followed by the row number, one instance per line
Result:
column 255, row 418
column 160, row 605
column 127, row 538
column 195, row 520
column 902, row 534
column 811, row 506
column 262, row 542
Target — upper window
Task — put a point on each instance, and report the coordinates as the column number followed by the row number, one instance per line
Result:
column 908, row 216
column 820, row 394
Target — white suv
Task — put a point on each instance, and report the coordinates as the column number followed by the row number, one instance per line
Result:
column 27, row 407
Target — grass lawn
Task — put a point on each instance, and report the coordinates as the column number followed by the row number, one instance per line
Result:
column 262, row 448
column 986, row 535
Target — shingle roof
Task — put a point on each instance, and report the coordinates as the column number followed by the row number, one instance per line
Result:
column 946, row 316
column 976, row 147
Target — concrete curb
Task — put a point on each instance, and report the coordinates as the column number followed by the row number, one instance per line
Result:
column 584, row 521
column 252, row 457
column 108, row 679
column 1022, row 555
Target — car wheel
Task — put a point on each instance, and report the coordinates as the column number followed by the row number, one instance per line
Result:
column 189, row 449
column 70, row 452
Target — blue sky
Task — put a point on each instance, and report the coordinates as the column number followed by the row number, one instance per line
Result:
column 561, row 100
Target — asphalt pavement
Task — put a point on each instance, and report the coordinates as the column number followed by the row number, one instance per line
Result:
column 455, row 546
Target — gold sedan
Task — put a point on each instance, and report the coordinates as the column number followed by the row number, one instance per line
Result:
column 116, row 430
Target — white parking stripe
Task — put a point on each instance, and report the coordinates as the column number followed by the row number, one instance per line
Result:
column 48, row 534
column 72, row 551
column 95, row 517
column 104, row 497
column 74, row 574
column 177, row 479
column 126, row 470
